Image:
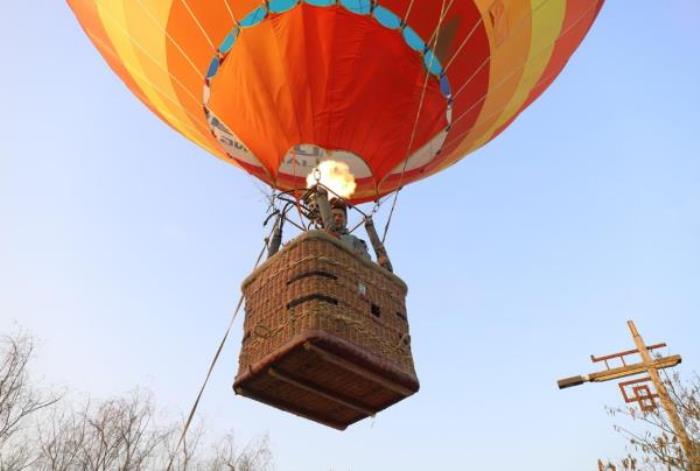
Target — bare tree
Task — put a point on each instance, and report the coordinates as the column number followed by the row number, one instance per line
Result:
column 256, row 456
column 60, row 441
column 223, row 454
column 40, row 433
column 184, row 457
column 117, row 434
column 122, row 434
column 651, row 435
column 18, row 401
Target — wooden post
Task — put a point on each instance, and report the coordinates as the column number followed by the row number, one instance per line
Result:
column 668, row 405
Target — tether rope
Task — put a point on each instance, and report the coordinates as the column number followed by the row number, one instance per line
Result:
column 212, row 365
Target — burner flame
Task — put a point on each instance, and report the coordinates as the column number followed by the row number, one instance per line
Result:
column 335, row 176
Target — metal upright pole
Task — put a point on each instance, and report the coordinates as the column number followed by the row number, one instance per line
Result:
column 668, row 405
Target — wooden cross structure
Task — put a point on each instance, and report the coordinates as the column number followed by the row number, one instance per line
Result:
column 639, row 389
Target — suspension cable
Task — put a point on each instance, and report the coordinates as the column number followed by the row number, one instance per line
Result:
column 377, row 204
column 391, row 213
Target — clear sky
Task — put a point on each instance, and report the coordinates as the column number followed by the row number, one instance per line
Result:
column 122, row 246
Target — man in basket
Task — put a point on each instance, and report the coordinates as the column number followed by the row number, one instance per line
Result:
column 338, row 227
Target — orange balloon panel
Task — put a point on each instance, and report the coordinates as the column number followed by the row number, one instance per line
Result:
column 397, row 89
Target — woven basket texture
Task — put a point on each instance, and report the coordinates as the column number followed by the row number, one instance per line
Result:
column 316, row 284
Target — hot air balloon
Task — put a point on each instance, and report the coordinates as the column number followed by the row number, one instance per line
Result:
column 392, row 90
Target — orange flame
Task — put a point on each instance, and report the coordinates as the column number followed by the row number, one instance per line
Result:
column 335, row 176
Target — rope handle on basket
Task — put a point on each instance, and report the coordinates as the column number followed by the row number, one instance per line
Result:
column 262, row 331
column 405, row 340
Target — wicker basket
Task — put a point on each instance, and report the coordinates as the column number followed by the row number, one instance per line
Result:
column 325, row 334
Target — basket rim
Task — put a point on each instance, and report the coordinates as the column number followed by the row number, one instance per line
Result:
column 321, row 235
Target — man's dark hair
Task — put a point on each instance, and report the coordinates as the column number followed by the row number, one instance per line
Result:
column 337, row 203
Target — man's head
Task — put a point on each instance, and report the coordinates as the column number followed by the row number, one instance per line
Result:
column 340, row 214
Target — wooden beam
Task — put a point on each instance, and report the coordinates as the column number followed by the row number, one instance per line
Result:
column 636, row 368
column 617, row 373
column 288, row 407
column 319, row 391
column 343, row 363
column 665, row 399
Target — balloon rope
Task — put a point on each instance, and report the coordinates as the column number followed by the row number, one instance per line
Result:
column 434, row 37
column 464, row 43
column 199, row 24
column 443, row 14
column 422, row 99
column 377, row 204
column 297, row 204
column 391, row 214
column 230, row 12
column 108, row 16
column 408, row 12
column 213, row 363
column 198, row 102
column 522, row 21
column 142, row 78
column 505, row 80
column 169, row 37
column 531, row 58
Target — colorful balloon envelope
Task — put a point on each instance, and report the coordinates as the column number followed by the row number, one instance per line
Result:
column 396, row 89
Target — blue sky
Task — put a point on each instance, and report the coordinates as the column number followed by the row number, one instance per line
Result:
column 122, row 246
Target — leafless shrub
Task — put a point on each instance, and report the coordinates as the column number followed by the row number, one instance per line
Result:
column 18, row 402
column 651, row 435
column 254, row 457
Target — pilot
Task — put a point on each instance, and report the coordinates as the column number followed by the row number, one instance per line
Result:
column 333, row 216
column 339, row 213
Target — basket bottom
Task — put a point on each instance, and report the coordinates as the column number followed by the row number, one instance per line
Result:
column 325, row 379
